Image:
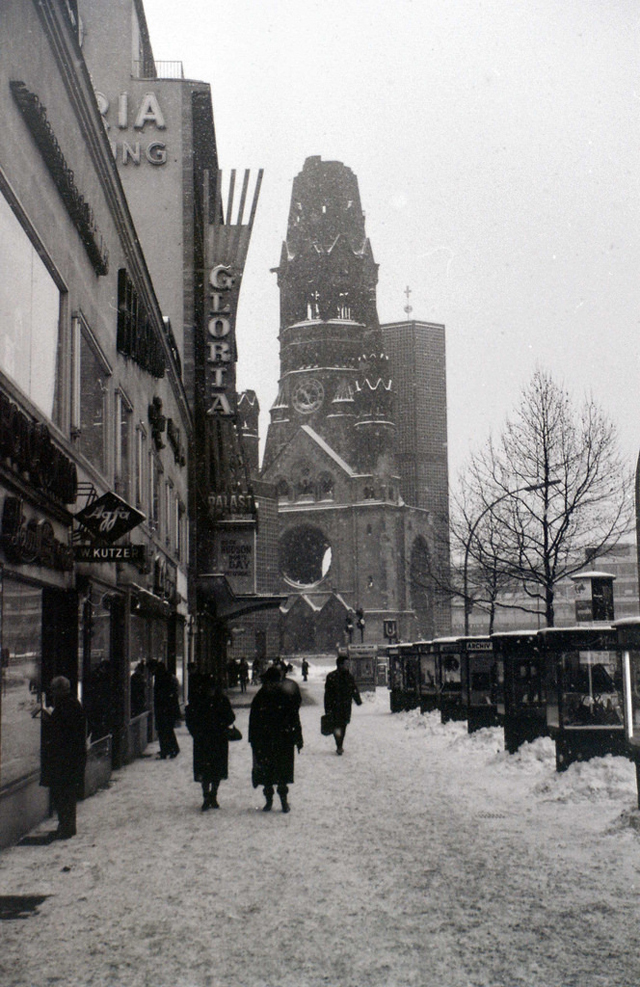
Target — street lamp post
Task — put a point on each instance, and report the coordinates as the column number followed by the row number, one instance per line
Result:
column 465, row 570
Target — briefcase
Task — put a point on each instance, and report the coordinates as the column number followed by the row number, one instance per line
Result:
column 326, row 725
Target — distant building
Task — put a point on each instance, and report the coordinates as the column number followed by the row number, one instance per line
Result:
column 417, row 359
column 350, row 536
column 620, row 562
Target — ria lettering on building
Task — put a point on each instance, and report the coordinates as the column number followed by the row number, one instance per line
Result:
column 148, row 111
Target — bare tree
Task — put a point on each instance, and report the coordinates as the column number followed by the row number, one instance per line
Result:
column 478, row 572
column 556, row 484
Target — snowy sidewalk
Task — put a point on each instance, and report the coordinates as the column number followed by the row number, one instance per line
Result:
column 423, row 857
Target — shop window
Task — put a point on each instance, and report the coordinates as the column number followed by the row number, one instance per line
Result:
column 123, row 427
column 21, row 680
column 29, row 316
column 97, row 669
column 91, row 390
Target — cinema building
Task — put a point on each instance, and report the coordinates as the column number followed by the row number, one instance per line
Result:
column 95, row 425
column 194, row 224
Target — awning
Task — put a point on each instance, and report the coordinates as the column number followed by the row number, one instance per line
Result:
column 214, row 592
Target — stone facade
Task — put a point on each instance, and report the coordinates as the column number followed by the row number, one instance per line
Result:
column 349, row 537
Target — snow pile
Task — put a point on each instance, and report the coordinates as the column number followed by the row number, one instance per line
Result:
column 534, row 756
column 597, row 780
column 432, row 724
column 489, row 740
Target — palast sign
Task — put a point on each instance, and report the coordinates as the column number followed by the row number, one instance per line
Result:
column 109, row 517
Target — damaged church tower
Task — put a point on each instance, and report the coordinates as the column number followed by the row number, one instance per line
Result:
column 348, row 540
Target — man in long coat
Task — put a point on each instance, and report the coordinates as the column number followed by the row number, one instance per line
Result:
column 64, row 754
column 274, row 731
column 340, row 690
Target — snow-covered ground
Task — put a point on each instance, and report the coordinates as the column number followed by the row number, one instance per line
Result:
column 423, row 857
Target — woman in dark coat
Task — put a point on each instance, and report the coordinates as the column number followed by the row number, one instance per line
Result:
column 208, row 718
column 274, row 731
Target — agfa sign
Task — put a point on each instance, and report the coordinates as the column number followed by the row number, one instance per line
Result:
column 109, row 517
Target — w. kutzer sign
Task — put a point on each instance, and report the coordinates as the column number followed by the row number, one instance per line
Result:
column 109, row 517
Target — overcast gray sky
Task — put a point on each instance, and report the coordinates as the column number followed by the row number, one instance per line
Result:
column 496, row 148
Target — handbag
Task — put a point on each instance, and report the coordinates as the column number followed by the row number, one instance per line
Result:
column 326, row 725
column 233, row 733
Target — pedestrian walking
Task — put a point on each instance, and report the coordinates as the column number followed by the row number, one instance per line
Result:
column 208, row 718
column 166, row 706
column 243, row 672
column 274, row 731
column 340, row 690
column 305, row 669
column 64, row 754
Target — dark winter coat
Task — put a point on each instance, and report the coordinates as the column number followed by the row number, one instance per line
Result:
column 207, row 720
column 340, row 690
column 274, row 731
column 166, row 701
column 64, row 746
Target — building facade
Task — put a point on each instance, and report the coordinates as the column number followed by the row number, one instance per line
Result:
column 417, row 359
column 349, row 539
column 160, row 127
column 94, row 422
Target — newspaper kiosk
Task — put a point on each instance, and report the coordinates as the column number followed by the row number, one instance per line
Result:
column 522, row 706
column 482, row 681
column 403, row 677
column 628, row 635
column 363, row 662
column 428, row 676
column 583, row 683
column 447, row 652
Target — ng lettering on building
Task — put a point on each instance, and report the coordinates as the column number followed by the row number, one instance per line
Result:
column 135, row 114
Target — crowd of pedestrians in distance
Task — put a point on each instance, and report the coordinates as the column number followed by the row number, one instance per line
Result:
column 275, row 730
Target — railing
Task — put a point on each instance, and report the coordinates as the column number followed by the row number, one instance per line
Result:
column 158, row 70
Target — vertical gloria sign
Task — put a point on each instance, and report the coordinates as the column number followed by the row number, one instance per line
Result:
column 226, row 246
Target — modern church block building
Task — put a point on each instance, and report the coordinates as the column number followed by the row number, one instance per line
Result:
column 356, row 446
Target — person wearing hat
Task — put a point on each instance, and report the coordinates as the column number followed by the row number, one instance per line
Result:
column 340, row 690
column 64, row 754
column 274, row 731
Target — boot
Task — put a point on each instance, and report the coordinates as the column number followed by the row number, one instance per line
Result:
column 268, row 794
column 283, row 801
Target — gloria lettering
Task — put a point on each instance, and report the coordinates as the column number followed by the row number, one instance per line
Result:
column 220, row 344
